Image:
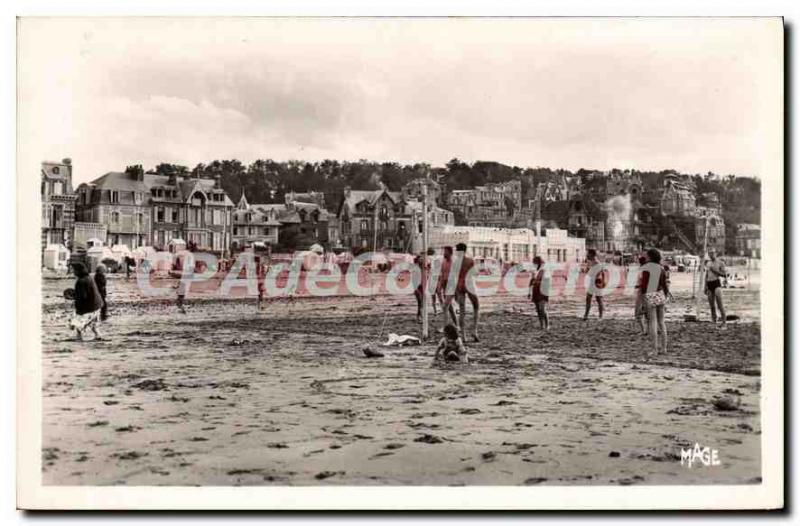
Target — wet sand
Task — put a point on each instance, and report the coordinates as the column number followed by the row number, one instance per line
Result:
column 227, row 395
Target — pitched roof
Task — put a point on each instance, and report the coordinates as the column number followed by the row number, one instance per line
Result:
column 119, row 181
column 126, row 182
column 370, row 196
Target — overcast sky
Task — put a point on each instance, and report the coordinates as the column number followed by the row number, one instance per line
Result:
column 694, row 95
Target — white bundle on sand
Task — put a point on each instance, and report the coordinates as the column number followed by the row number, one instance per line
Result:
column 396, row 340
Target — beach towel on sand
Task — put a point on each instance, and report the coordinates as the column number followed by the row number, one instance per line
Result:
column 401, row 341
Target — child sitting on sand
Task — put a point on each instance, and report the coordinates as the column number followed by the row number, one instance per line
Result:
column 451, row 347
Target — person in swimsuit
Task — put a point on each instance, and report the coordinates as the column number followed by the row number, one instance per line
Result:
column 600, row 280
column 715, row 272
column 437, row 293
column 656, row 307
column 540, row 288
column 462, row 290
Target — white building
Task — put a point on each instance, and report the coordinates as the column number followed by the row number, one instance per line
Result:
column 512, row 245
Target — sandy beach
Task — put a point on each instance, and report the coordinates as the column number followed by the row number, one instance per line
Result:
column 228, row 395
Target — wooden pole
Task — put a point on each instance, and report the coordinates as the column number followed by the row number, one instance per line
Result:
column 701, row 275
column 425, row 331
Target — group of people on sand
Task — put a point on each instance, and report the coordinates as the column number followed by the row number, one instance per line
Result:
column 91, row 307
column 649, row 307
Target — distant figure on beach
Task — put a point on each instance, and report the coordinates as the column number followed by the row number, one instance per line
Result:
column 451, row 347
column 100, row 282
column 600, row 280
column 462, row 292
column 539, row 287
column 88, row 303
column 715, row 272
column 655, row 301
column 261, row 274
column 181, row 289
column 129, row 264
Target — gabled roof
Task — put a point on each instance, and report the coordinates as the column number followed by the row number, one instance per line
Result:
column 370, row 196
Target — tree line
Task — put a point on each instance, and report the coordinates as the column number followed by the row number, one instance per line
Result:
column 267, row 181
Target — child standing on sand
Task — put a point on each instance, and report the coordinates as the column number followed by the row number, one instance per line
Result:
column 539, row 288
column 451, row 347
column 100, row 282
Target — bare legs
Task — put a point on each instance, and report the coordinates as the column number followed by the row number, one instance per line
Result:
column 600, row 306
column 461, row 298
column 462, row 307
column 418, row 296
column 656, row 316
column 640, row 313
column 541, row 313
column 715, row 302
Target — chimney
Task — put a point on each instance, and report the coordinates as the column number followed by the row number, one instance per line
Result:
column 136, row 172
column 217, row 181
column 68, row 163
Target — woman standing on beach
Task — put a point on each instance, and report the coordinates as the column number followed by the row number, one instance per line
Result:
column 655, row 301
column 540, row 288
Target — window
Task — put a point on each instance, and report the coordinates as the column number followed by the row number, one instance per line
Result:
column 174, row 215
column 137, row 198
column 364, row 225
column 55, row 170
column 114, row 196
column 160, row 214
column 140, row 220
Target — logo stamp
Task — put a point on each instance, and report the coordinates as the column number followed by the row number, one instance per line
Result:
column 705, row 456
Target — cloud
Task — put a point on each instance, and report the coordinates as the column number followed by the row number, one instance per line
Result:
column 695, row 95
